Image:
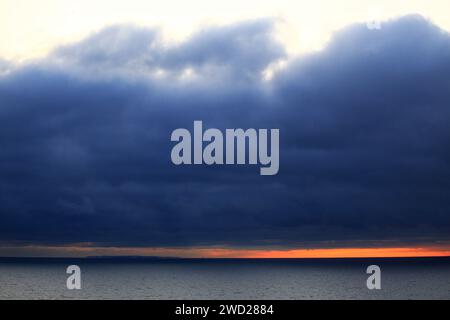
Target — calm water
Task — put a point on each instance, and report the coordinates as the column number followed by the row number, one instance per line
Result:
column 234, row 279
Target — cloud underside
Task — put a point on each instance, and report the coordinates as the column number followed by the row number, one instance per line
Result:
column 364, row 139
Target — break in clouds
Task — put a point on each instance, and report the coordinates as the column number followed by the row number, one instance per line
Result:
column 364, row 139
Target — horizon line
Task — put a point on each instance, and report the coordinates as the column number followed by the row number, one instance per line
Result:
column 217, row 258
column 85, row 250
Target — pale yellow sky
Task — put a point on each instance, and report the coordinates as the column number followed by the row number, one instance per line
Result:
column 30, row 28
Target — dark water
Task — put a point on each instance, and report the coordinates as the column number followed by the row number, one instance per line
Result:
column 225, row 279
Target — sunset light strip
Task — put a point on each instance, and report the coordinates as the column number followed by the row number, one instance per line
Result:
column 85, row 250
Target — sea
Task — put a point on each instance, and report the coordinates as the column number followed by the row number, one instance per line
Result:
column 218, row 279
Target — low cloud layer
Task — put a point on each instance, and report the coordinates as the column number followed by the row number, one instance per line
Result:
column 364, row 136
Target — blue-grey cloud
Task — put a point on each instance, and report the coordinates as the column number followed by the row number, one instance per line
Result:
column 4, row 66
column 113, row 47
column 239, row 51
column 85, row 137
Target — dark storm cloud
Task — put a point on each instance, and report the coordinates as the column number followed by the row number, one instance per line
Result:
column 85, row 139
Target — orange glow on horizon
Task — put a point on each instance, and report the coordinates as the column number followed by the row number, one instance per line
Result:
column 331, row 253
column 89, row 249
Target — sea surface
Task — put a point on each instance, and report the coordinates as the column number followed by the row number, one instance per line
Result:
column 134, row 278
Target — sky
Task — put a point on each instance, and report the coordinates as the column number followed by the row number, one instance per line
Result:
column 90, row 93
column 30, row 29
